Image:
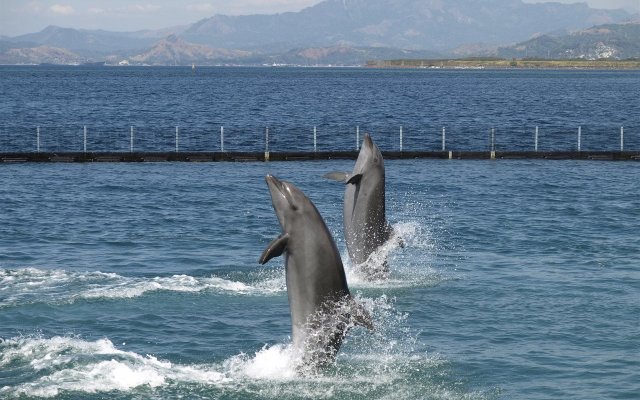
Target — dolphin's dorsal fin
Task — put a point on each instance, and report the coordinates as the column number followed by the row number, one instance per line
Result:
column 275, row 248
column 338, row 176
column 355, row 179
column 360, row 315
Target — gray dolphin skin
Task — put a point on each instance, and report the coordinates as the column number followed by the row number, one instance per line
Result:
column 321, row 306
column 365, row 223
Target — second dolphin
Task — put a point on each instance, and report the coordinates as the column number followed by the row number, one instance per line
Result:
column 365, row 223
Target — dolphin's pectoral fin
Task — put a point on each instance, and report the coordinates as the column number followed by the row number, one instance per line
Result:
column 275, row 248
column 337, row 176
column 355, row 179
column 360, row 315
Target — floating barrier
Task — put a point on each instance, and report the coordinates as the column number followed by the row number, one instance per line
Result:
column 80, row 157
column 286, row 144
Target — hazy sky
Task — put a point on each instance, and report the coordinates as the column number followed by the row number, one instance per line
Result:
column 26, row 16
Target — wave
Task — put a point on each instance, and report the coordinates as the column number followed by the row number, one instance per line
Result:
column 409, row 267
column 379, row 364
column 32, row 285
column 76, row 365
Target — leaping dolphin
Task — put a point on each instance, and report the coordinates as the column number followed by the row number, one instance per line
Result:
column 321, row 306
column 365, row 223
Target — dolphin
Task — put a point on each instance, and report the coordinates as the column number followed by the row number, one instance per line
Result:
column 365, row 224
column 321, row 306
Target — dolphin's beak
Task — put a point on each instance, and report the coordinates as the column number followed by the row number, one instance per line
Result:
column 273, row 183
column 276, row 188
column 279, row 191
column 368, row 143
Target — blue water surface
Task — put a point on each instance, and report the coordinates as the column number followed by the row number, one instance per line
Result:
column 519, row 280
column 243, row 102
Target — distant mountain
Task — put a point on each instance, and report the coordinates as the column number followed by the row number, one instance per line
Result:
column 38, row 55
column 406, row 24
column 343, row 32
column 93, row 42
column 342, row 55
column 616, row 41
column 175, row 51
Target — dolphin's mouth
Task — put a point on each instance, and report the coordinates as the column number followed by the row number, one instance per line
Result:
column 366, row 151
column 274, row 183
column 368, row 142
column 276, row 186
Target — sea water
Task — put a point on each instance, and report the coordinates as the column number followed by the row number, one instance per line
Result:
column 164, row 109
column 518, row 279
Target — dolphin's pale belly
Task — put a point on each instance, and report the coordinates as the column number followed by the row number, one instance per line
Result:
column 313, row 292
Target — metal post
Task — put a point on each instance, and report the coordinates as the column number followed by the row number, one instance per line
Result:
column 579, row 138
column 493, row 139
column 131, row 144
column 358, row 137
column 443, row 138
column 493, row 143
column 621, row 138
column 536, row 141
column 222, row 139
column 400, row 138
column 85, row 139
column 266, row 144
column 38, row 139
column 177, row 139
column 315, row 139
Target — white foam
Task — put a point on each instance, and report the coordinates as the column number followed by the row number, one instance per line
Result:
column 277, row 362
column 92, row 366
column 384, row 363
column 30, row 285
column 135, row 287
column 399, row 252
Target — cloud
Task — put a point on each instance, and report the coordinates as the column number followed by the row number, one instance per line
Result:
column 62, row 9
column 144, row 8
column 202, row 7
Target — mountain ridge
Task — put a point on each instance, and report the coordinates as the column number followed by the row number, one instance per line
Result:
column 607, row 41
column 408, row 24
column 354, row 29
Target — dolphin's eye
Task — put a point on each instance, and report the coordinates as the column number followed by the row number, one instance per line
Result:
column 293, row 206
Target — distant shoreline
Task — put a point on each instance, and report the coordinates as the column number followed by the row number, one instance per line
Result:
column 445, row 64
column 480, row 63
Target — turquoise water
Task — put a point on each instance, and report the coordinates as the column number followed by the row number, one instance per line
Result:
column 519, row 280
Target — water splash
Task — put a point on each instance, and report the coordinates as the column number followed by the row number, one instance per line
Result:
column 32, row 285
column 400, row 253
column 76, row 365
column 387, row 363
